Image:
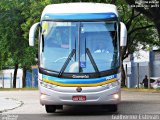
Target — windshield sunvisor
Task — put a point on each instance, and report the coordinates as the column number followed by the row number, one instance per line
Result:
column 80, row 16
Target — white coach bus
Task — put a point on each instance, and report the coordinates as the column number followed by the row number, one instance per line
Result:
column 79, row 55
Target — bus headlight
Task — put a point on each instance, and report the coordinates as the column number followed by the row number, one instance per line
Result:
column 111, row 85
column 47, row 85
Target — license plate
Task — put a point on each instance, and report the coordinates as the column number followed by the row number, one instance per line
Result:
column 79, row 98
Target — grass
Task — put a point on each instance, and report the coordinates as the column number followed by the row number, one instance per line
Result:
column 141, row 89
column 13, row 89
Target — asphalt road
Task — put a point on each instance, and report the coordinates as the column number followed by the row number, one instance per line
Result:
column 133, row 103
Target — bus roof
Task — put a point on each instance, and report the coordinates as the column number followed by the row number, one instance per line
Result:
column 79, row 8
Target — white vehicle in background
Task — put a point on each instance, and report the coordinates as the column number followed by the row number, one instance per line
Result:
column 155, row 82
column 70, row 72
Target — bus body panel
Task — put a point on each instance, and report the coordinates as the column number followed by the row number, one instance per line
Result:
column 51, row 97
column 72, row 8
column 97, row 95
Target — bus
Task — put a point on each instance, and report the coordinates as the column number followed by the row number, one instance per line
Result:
column 79, row 55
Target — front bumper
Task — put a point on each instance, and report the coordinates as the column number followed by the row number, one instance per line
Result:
column 94, row 95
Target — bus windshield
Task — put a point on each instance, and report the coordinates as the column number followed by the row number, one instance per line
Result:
column 79, row 47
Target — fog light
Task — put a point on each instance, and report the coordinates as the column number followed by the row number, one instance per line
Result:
column 116, row 96
column 43, row 96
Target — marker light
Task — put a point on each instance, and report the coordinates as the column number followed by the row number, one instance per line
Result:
column 111, row 85
column 116, row 96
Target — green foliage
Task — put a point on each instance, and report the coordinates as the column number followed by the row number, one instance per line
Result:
column 11, row 34
column 14, row 32
column 150, row 12
column 140, row 29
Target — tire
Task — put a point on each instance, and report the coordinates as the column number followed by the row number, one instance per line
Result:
column 50, row 108
column 113, row 108
column 60, row 107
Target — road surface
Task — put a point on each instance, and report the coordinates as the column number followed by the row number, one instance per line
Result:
column 26, row 104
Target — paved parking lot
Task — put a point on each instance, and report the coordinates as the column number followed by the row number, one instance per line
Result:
column 132, row 103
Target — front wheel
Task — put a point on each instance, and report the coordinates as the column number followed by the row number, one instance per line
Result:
column 113, row 108
column 50, row 108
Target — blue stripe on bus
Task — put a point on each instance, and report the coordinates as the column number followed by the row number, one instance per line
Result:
column 79, row 81
column 79, row 16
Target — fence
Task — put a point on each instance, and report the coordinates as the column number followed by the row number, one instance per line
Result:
column 32, row 78
column 6, row 81
column 6, row 78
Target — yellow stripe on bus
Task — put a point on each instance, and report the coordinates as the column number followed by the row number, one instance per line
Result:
column 79, row 85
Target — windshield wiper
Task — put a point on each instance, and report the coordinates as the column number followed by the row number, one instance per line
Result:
column 92, row 61
column 67, row 62
column 42, row 43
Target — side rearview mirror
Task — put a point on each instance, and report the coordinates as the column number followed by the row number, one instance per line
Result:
column 123, row 34
column 32, row 32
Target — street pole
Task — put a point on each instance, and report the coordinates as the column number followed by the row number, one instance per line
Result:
column 126, row 76
column 148, row 75
column 11, row 81
column 32, row 79
column 2, row 80
column 138, row 74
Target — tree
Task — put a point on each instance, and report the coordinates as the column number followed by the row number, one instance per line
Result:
column 152, row 11
column 14, row 45
column 32, row 13
column 10, row 34
column 140, row 31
